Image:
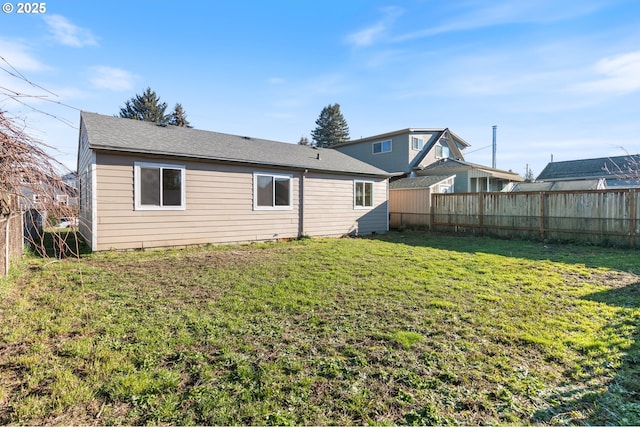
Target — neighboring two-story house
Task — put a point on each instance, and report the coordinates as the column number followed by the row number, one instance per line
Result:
column 428, row 152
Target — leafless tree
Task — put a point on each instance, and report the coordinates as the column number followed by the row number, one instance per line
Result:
column 31, row 179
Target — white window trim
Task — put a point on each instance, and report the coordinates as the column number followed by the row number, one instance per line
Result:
column 355, row 184
column 381, row 146
column 413, row 139
column 274, row 207
column 137, row 186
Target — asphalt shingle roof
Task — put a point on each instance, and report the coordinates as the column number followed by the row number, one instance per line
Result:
column 134, row 136
column 591, row 168
column 417, row 182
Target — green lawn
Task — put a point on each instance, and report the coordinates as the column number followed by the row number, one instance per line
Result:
column 405, row 328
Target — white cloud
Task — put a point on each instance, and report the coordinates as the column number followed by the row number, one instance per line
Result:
column 483, row 14
column 370, row 35
column 620, row 75
column 69, row 34
column 111, row 78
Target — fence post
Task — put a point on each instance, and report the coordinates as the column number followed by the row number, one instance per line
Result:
column 632, row 216
column 542, row 215
column 481, row 212
column 432, row 210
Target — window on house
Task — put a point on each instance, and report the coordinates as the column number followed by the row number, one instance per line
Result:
column 442, row 151
column 159, row 186
column 382, row 147
column 363, row 194
column 272, row 191
column 63, row 199
column 416, row 143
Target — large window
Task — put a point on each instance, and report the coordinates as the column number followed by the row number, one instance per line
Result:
column 159, row 186
column 363, row 194
column 382, row 147
column 272, row 191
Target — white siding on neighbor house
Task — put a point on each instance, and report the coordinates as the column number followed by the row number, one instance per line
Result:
column 219, row 207
column 329, row 206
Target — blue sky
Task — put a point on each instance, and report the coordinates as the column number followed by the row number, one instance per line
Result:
column 558, row 78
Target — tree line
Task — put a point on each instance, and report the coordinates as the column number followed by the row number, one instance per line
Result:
column 331, row 126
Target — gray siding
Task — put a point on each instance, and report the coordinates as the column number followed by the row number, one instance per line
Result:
column 397, row 160
column 85, row 183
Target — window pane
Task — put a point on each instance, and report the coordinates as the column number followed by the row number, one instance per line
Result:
column 377, row 147
column 386, row 146
column 265, row 191
column 171, row 187
column 368, row 194
column 359, row 193
column 150, row 186
column 282, row 191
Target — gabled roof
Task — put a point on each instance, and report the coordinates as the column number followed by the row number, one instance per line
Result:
column 604, row 167
column 418, row 182
column 443, row 166
column 403, row 132
column 133, row 136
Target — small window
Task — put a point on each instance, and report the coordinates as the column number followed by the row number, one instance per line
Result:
column 442, row 151
column 363, row 194
column 272, row 191
column 159, row 186
column 382, row 147
column 416, row 143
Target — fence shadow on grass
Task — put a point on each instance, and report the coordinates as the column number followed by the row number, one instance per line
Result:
column 592, row 256
column 619, row 404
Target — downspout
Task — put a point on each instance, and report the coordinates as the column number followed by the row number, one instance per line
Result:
column 301, row 204
column 387, row 181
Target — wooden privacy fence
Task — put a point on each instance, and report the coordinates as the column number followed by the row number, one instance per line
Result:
column 11, row 240
column 603, row 217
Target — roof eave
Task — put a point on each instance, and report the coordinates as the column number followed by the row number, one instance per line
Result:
column 97, row 147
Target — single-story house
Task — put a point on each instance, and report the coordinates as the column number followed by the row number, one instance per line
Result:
column 618, row 171
column 146, row 185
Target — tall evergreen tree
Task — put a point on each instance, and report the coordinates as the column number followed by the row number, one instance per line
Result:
column 331, row 127
column 178, row 117
column 146, row 107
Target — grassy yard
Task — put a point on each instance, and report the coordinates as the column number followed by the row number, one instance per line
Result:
column 406, row 328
